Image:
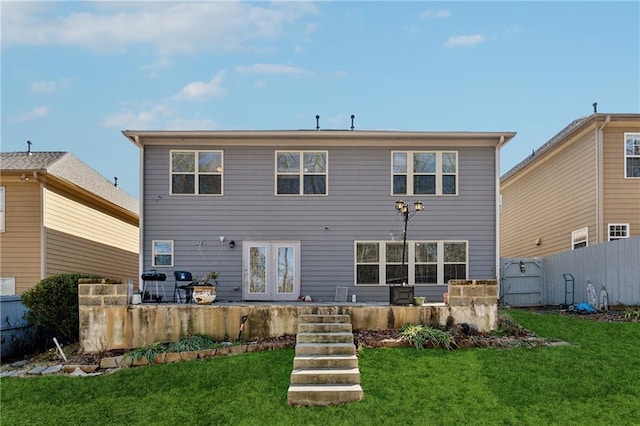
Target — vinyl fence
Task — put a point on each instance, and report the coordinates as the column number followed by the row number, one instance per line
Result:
column 563, row 278
column 15, row 331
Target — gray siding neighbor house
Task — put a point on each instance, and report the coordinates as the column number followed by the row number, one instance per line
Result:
column 285, row 214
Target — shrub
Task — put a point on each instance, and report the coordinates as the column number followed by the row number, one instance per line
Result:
column 53, row 304
column 418, row 336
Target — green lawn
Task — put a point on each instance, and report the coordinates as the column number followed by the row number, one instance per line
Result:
column 595, row 381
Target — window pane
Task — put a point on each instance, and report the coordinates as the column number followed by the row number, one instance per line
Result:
column 183, row 162
column 367, row 253
column 426, row 252
column 288, row 185
column 455, row 252
column 288, row 162
column 395, row 275
column 448, row 162
column 210, row 184
column 400, row 162
column 285, row 270
column 160, row 247
column 455, row 272
column 394, row 253
column 449, row 184
column 315, row 162
column 162, row 260
column 315, row 184
column 633, row 166
column 183, row 184
column 399, row 184
column 632, row 145
column 368, row 274
column 424, row 162
column 210, row 162
column 257, row 270
column 424, row 184
column 426, row 274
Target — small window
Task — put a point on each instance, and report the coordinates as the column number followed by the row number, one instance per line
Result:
column 2, row 209
column 424, row 173
column 579, row 238
column 162, row 253
column 196, row 172
column 301, row 172
column 632, row 155
column 618, row 231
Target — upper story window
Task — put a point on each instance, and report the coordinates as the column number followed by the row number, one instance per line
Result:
column 301, row 172
column 632, row 155
column 2, row 210
column 618, row 231
column 426, row 262
column 579, row 238
column 424, row 172
column 196, row 172
column 162, row 253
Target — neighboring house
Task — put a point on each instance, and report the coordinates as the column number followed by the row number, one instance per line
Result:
column 580, row 188
column 59, row 215
column 285, row 214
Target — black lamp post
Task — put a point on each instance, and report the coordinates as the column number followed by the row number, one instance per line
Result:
column 400, row 296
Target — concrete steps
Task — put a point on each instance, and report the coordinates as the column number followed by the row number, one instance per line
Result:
column 325, row 367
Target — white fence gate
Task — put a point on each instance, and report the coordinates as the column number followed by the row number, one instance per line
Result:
column 522, row 282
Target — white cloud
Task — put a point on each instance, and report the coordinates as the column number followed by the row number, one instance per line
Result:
column 268, row 69
column 171, row 27
column 465, row 40
column 49, row 86
column 37, row 112
column 141, row 120
column 202, row 90
column 431, row 14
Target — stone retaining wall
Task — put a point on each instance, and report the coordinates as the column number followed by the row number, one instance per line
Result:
column 108, row 322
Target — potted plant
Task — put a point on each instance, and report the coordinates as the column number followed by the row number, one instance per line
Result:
column 204, row 290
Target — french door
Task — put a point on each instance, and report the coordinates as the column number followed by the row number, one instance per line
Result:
column 271, row 270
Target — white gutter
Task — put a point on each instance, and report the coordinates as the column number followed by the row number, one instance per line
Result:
column 141, row 217
column 497, row 174
column 600, row 180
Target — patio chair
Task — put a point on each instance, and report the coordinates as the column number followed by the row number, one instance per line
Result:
column 183, row 282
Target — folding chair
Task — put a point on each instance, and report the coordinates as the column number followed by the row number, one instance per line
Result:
column 186, row 279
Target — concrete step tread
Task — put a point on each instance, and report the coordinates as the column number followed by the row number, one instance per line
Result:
column 325, row 388
column 325, row 333
column 326, row 371
column 326, row 357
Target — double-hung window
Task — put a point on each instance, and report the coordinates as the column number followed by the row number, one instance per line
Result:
column 424, row 172
column 579, row 238
column 162, row 253
column 632, row 155
column 426, row 262
column 196, row 172
column 618, row 231
column 301, row 172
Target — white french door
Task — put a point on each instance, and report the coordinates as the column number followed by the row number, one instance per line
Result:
column 271, row 270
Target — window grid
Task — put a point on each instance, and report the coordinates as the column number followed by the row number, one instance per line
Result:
column 632, row 155
column 196, row 172
column 301, row 173
column 162, row 253
column 424, row 173
column 618, row 231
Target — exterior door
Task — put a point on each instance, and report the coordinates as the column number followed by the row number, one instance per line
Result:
column 271, row 270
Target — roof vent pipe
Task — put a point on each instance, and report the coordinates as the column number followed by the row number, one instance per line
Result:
column 352, row 118
column 115, row 181
column 29, row 148
column 317, row 122
column 595, row 107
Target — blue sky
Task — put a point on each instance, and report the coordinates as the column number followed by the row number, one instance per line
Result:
column 75, row 74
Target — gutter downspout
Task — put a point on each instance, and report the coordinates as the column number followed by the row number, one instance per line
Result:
column 497, row 174
column 141, row 217
column 600, row 180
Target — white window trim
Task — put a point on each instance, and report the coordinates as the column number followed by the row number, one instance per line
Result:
column 2, row 209
column 196, row 173
column 438, row 174
column 625, row 225
column 153, row 253
column 624, row 149
column 576, row 233
column 410, row 261
column 301, row 174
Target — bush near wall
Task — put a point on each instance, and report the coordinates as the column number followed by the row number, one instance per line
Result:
column 53, row 304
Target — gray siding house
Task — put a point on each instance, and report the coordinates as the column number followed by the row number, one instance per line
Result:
column 285, row 214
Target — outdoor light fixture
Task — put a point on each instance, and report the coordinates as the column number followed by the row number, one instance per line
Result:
column 403, row 295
